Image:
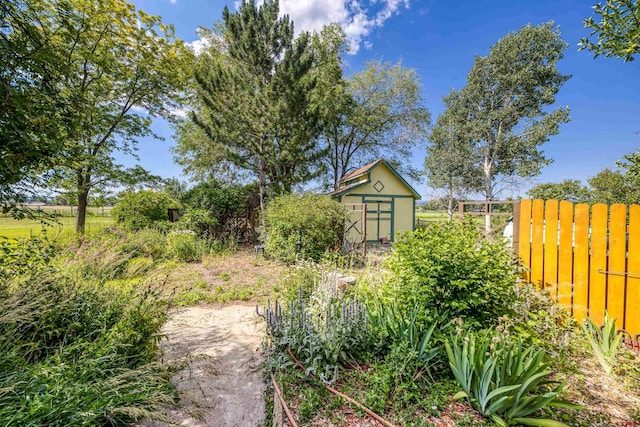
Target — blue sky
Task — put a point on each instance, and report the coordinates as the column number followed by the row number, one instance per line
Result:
column 439, row 38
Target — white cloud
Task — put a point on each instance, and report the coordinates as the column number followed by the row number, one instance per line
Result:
column 198, row 45
column 173, row 1
column 358, row 18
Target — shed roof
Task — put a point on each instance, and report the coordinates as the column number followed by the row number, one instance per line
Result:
column 366, row 169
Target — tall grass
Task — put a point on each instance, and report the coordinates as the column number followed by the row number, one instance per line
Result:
column 77, row 347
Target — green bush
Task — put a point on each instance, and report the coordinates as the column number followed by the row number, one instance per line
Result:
column 303, row 227
column 540, row 323
column 186, row 246
column 143, row 209
column 449, row 267
column 198, row 220
column 210, row 204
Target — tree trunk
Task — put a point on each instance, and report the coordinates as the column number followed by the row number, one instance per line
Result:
column 84, row 184
column 81, row 215
column 450, row 204
column 488, row 193
column 262, row 182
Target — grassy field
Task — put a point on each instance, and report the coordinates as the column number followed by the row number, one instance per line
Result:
column 431, row 215
column 71, row 211
column 11, row 228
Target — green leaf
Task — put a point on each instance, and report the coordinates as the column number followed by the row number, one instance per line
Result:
column 460, row 395
column 539, row 422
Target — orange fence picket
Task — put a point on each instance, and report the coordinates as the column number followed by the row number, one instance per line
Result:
column 537, row 244
column 581, row 262
column 524, row 247
column 565, row 255
column 598, row 263
column 588, row 257
column 617, row 262
column 550, row 275
column 632, row 303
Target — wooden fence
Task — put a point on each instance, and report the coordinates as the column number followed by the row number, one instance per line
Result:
column 588, row 257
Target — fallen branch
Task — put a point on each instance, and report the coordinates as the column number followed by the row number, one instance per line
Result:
column 342, row 395
column 284, row 404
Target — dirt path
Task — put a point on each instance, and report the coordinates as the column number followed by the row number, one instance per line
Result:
column 222, row 384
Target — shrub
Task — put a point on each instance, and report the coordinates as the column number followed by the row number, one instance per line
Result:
column 143, row 209
column 186, row 246
column 198, row 220
column 303, row 226
column 539, row 322
column 210, row 204
column 449, row 267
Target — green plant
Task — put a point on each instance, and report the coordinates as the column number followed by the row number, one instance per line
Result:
column 450, row 267
column 504, row 381
column 76, row 346
column 322, row 342
column 303, row 227
column 399, row 328
column 185, row 246
column 211, row 204
column 199, row 221
column 79, row 354
column 604, row 342
column 143, row 209
column 543, row 325
column 299, row 277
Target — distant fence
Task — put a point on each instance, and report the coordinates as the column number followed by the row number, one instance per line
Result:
column 587, row 257
column 67, row 210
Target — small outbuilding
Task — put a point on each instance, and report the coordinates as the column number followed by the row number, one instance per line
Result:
column 387, row 199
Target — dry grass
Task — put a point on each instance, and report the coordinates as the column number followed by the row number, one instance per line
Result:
column 602, row 393
column 227, row 278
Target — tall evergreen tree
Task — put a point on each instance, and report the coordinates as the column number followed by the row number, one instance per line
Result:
column 254, row 87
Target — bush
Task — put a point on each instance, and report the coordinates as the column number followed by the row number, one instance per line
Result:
column 210, row 204
column 197, row 220
column 143, row 209
column 449, row 267
column 186, row 246
column 303, row 226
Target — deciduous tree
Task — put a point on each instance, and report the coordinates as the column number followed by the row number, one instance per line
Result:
column 570, row 190
column 449, row 164
column 32, row 112
column 613, row 186
column 122, row 68
column 617, row 29
column 504, row 108
column 381, row 114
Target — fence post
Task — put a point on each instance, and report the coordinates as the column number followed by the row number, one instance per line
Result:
column 516, row 227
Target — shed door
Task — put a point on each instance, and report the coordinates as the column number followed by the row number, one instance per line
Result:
column 379, row 219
